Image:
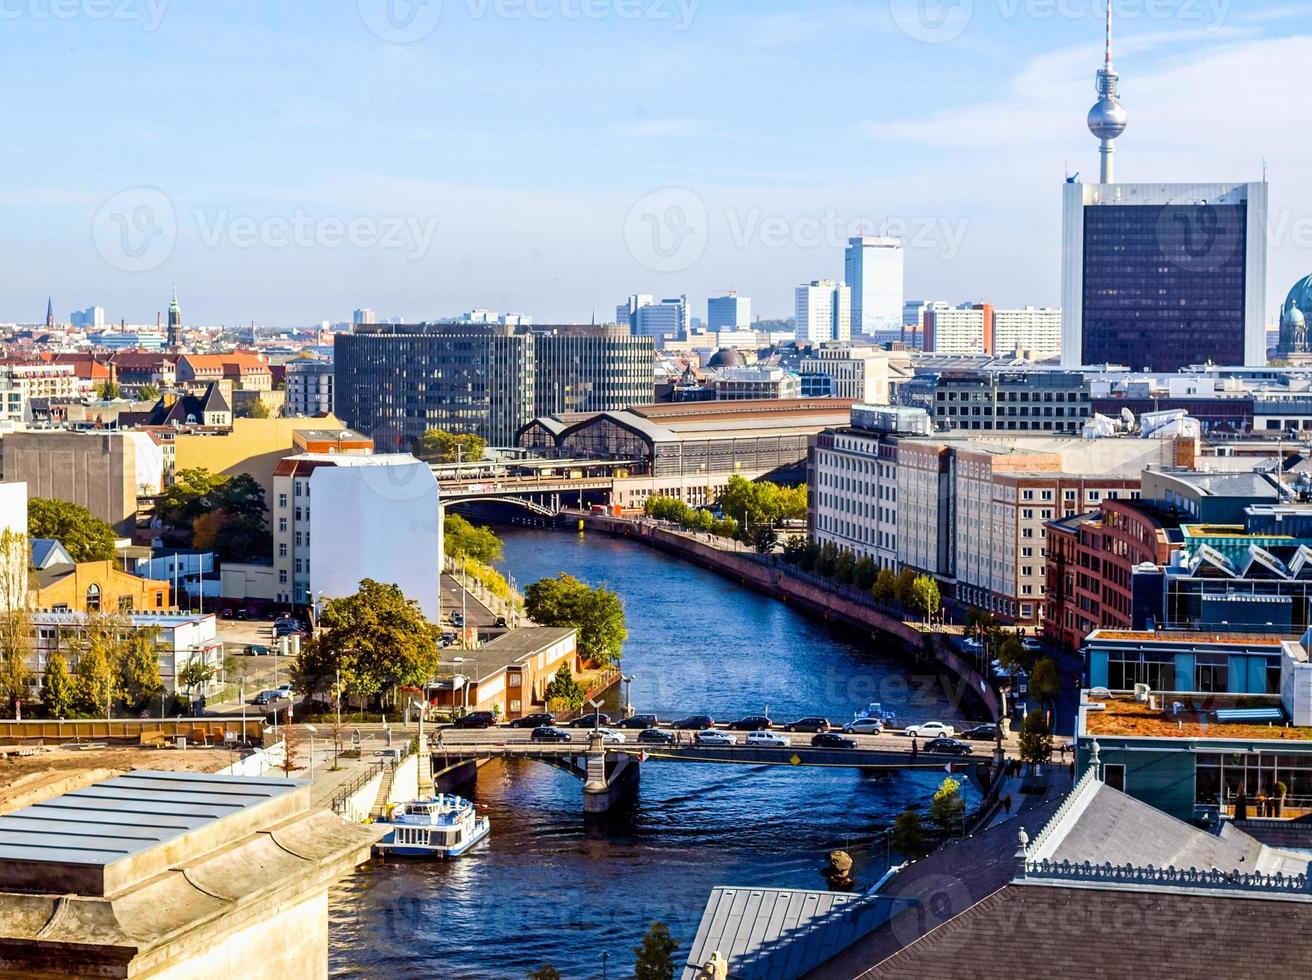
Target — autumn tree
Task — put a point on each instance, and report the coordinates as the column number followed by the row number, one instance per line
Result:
column 885, row 587
column 15, row 621
column 948, row 809
column 94, row 674
column 925, row 599
column 137, row 669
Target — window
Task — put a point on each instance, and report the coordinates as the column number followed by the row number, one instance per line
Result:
column 282, row 525
column 282, row 500
column 93, row 598
column 282, row 576
column 282, row 551
column 1114, row 776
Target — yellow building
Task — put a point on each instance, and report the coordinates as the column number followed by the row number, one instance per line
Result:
column 96, row 586
column 253, row 446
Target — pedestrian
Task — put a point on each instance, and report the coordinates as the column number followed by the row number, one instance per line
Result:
column 1006, row 804
column 915, row 749
column 1063, row 752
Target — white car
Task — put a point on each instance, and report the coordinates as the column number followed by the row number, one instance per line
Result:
column 768, row 740
column 864, row 726
column 713, row 736
column 931, row 729
column 611, row 737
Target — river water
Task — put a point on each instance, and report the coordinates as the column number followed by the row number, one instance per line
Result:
column 549, row 886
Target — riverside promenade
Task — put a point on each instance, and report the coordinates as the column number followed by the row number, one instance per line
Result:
column 932, row 647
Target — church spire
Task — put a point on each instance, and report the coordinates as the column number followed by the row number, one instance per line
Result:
column 50, row 313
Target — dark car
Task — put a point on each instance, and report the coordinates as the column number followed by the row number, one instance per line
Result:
column 543, row 719
column 982, row 733
column 477, row 719
column 549, row 734
column 591, row 721
column 809, row 725
column 654, row 736
column 694, row 723
column 832, row 740
column 752, row 723
column 457, row 619
column 256, row 650
column 641, row 722
column 501, row 622
column 947, row 746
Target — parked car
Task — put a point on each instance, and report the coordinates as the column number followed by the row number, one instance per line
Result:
column 752, row 723
column 267, row 697
column 640, row 722
column 767, row 740
column 654, row 736
column 501, row 622
column 283, row 690
column 982, row 733
column 813, row 724
column 694, row 723
column 457, row 619
column 540, row 719
column 591, row 721
column 864, row 726
column 832, row 740
column 477, row 719
column 715, row 737
column 930, row 729
column 947, row 746
column 549, row 734
column 610, row 736
column 256, row 650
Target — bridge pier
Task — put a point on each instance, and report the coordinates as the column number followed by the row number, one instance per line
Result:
column 610, row 778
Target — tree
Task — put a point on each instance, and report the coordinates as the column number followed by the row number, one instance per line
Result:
column 909, row 836
column 232, row 538
column 885, row 587
column 654, row 959
column 906, row 579
column 440, row 446
column 925, row 598
column 866, row 573
column 108, row 392
column 1045, row 682
column 764, row 538
column 187, row 498
column 1035, row 739
column 15, row 621
column 196, row 673
column 1013, row 656
column 377, row 638
column 810, row 557
column 138, row 678
column 257, row 410
column 94, row 674
column 459, row 537
column 148, row 393
column 545, row 972
column 59, row 692
column 948, row 809
column 565, row 690
column 598, row 615
column 827, row 562
column 85, row 536
column 844, row 568
column 794, row 549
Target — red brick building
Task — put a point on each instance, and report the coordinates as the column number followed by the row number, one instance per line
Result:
column 1091, row 559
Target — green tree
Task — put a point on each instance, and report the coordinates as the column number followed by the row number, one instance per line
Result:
column 109, row 391
column 239, row 496
column 1045, row 682
column 793, row 502
column 1013, row 656
column 909, row 836
column 15, row 621
column 377, row 638
column 148, row 393
column 865, row 574
column 59, row 692
column 440, row 446
column 925, row 598
column 885, row 587
column 564, row 690
column 196, row 673
column 94, row 674
column 654, row 959
column 810, row 557
column 137, row 667
column 906, row 579
column 827, row 562
column 598, row 615
column 257, row 410
column 187, row 498
column 764, row 538
column 545, row 972
column 459, row 537
column 948, row 809
column 86, row 536
column 1035, row 739
column 794, row 549
column 844, row 570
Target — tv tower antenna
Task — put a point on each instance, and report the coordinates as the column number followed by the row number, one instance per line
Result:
column 1108, row 119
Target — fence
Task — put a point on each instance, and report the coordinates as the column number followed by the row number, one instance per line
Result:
column 134, row 730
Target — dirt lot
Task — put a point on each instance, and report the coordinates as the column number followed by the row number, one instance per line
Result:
column 28, row 779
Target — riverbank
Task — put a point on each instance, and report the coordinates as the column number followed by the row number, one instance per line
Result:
column 924, row 647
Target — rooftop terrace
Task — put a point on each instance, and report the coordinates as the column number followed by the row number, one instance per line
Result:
column 1122, row 716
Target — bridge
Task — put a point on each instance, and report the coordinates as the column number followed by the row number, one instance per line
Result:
column 541, row 495
column 610, row 772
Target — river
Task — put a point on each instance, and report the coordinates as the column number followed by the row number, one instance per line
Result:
column 550, row 887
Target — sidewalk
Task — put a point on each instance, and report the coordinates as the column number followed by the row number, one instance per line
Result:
column 1058, row 783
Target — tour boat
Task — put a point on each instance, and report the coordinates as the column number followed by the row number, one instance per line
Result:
column 876, row 710
column 442, row 826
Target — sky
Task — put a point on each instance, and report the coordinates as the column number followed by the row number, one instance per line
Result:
column 287, row 162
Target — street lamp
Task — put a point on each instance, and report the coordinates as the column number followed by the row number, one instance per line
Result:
column 313, row 731
column 628, row 688
column 596, row 716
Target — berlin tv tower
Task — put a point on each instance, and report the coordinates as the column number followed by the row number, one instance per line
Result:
column 1108, row 119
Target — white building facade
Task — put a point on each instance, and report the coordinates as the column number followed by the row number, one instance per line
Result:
column 824, row 311
column 1034, row 332
column 874, row 269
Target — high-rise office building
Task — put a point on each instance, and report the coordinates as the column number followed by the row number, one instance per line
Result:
column 730, row 312
column 670, row 318
column 92, row 318
column 395, row 382
column 1160, row 276
column 874, row 272
column 824, row 311
column 309, row 386
column 363, row 316
column 626, row 314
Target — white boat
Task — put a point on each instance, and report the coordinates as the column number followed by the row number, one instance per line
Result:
column 876, row 711
column 442, row 826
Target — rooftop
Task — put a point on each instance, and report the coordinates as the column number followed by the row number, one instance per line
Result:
column 515, row 647
column 1122, row 716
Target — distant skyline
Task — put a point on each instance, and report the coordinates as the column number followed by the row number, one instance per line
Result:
column 291, row 163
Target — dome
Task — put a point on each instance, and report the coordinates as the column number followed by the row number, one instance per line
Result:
column 1298, row 305
column 727, row 357
column 1108, row 119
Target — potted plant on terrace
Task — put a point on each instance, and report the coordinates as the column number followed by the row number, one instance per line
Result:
column 1278, row 798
